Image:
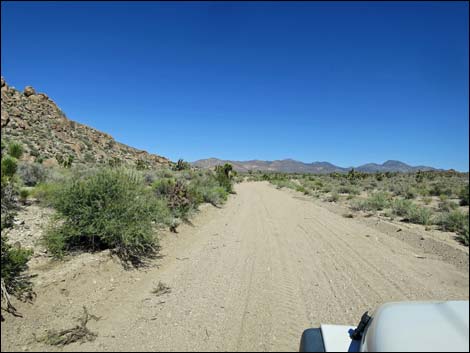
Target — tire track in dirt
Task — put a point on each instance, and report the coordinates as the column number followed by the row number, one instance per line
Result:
column 251, row 275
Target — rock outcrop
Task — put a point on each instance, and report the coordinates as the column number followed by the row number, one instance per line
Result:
column 34, row 120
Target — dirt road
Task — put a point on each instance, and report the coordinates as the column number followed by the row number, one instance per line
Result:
column 251, row 275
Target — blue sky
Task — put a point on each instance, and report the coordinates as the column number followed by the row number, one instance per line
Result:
column 348, row 83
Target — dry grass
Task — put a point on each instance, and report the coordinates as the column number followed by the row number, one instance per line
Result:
column 79, row 333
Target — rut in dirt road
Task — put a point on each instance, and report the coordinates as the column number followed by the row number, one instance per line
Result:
column 257, row 272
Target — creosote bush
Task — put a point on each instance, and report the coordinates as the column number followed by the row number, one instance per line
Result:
column 110, row 209
column 14, row 262
column 455, row 221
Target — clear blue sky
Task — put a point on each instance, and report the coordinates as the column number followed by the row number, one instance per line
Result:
column 348, row 83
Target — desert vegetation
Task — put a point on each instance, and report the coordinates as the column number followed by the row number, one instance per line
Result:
column 13, row 258
column 116, row 206
column 121, row 208
column 437, row 199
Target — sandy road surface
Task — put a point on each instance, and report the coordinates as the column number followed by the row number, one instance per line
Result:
column 252, row 276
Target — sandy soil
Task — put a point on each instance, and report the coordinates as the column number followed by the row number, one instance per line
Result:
column 251, row 275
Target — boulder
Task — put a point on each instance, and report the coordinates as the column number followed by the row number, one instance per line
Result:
column 3, row 82
column 29, row 91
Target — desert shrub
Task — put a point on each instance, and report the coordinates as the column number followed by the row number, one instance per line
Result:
column 427, row 200
column 31, row 173
column 163, row 186
column 410, row 193
column 24, row 193
column 215, row 195
column 115, row 162
column 403, row 189
column 455, row 221
column 334, row 197
column 378, row 201
column 9, row 189
column 346, row 189
column 9, row 166
column 176, row 195
column 401, row 207
column 302, row 189
column 13, row 262
column 443, row 197
column 39, row 159
column 205, row 188
column 141, row 164
column 284, row 184
column 46, row 192
column 464, row 196
column 90, row 158
column 111, row 209
column 420, row 215
column 15, row 150
column 447, row 206
column 8, row 203
column 439, row 189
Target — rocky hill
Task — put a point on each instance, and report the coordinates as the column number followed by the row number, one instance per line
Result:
column 391, row 166
column 49, row 136
column 293, row 166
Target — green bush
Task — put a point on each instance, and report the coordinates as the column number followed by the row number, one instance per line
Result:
column 15, row 150
column 378, row 201
column 401, row 207
column 334, row 197
column 205, row 188
column 345, row 189
column 46, row 192
column 302, row 189
column 9, row 206
column 14, row 261
column 427, row 200
column 455, row 221
column 410, row 193
column 24, row 193
column 111, row 209
column 9, row 187
column 9, row 166
column 284, row 184
column 440, row 188
column 447, row 206
column 411, row 212
column 420, row 215
column 215, row 196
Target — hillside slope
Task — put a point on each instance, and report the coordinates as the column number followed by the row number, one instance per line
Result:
column 47, row 134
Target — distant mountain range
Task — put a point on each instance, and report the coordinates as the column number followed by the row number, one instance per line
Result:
column 293, row 166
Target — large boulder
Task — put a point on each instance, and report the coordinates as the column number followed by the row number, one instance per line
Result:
column 3, row 82
column 29, row 91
